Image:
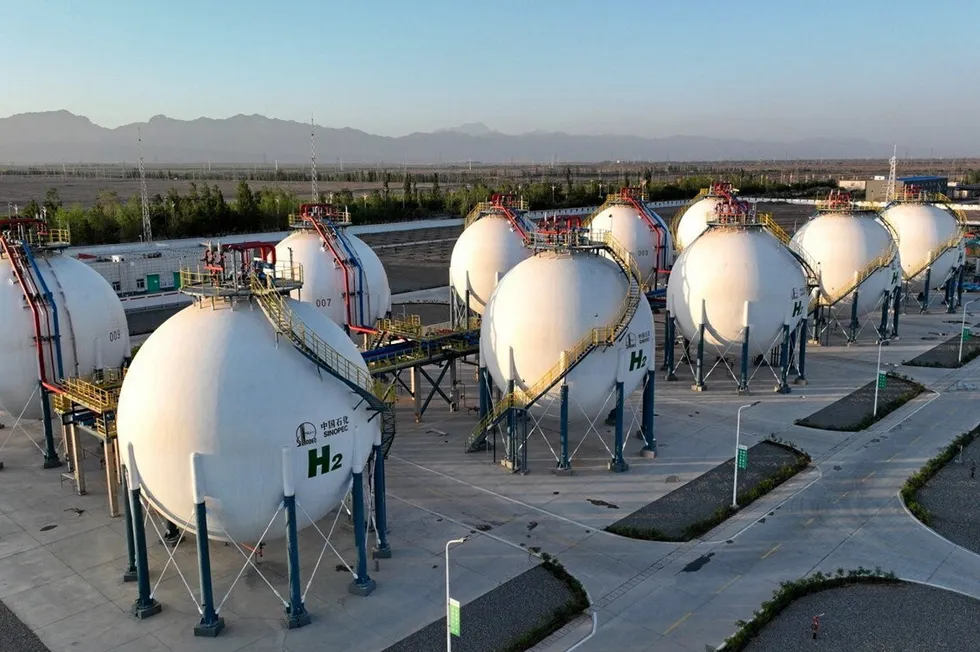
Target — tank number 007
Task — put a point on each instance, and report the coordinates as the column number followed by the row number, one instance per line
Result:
column 322, row 303
column 114, row 335
column 321, row 462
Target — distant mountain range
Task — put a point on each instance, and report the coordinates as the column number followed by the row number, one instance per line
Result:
column 63, row 137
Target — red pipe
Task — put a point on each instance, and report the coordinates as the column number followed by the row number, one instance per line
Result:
column 363, row 329
column 34, row 310
column 327, row 241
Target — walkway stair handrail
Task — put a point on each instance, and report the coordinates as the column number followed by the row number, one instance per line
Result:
column 602, row 336
column 311, row 345
column 951, row 242
column 676, row 220
column 882, row 261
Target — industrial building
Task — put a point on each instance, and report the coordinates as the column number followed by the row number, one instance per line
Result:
column 877, row 189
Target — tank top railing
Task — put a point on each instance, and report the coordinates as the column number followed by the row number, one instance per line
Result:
column 523, row 398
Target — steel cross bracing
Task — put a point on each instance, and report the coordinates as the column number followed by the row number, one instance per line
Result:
column 329, row 222
column 325, row 357
column 601, row 337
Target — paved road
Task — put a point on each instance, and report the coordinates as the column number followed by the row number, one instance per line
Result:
column 843, row 513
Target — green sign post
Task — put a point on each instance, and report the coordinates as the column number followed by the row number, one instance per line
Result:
column 743, row 456
column 454, row 616
column 882, row 380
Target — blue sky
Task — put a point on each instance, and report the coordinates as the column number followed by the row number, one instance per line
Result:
column 753, row 69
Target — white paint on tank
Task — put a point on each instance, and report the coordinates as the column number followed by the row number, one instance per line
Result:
column 695, row 220
column 845, row 244
column 633, row 232
column 721, row 271
column 323, row 277
column 91, row 320
column 217, row 383
column 486, row 251
column 545, row 306
column 921, row 229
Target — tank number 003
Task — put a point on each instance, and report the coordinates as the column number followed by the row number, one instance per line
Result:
column 642, row 253
column 114, row 335
column 322, row 303
column 321, row 462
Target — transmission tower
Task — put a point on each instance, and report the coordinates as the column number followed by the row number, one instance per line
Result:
column 892, row 169
column 313, row 159
column 144, row 200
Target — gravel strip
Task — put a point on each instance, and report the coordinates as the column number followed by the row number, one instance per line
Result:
column 850, row 412
column 15, row 636
column 946, row 355
column 875, row 618
column 498, row 618
column 699, row 499
column 951, row 498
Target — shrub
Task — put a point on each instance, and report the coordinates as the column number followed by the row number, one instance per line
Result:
column 575, row 606
column 915, row 482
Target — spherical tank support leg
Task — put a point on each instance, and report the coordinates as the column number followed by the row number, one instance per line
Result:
column 51, row 459
column 924, row 308
column 801, row 363
column 896, row 310
column 362, row 585
column 129, row 575
column 564, row 464
column 211, row 623
column 649, row 433
column 618, row 464
column 296, row 614
column 783, row 387
column 383, row 549
column 699, row 385
column 145, row 605
column 669, row 348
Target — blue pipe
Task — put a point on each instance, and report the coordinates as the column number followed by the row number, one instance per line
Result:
column 345, row 243
column 54, row 309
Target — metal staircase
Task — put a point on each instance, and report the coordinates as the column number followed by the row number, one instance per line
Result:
column 325, row 357
column 881, row 261
column 635, row 198
column 603, row 336
column 949, row 243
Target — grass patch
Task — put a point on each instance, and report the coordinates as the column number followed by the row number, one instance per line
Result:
column 578, row 603
column 855, row 411
column 725, row 510
column 790, row 591
column 945, row 355
column 911, row 487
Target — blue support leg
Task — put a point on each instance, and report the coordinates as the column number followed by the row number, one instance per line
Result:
column 211, row 623
column 896, row 309
column 296, row 613
column 883, row 327
column 671, row 344
column 129, row 575
column 698, row 385
column 801, row 363
column 362, row 584
column 743, row 376
column 618, row 464
column 649, row 433
column 383, row 549
column 855, row 324
column 959, row 285
column 51, row 459
column 783, row 386
column 145, row 605
column 925, row 292
column 667, row 342
column 564, row 464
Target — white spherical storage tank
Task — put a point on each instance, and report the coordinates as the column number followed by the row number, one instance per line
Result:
column 216, row 383
column 727, row 267
column 695, row 220
column 633, row 231
column 91, row 322
column 324, row 282
column 845, row 244
column 486, row 251
column 545, row 306
column 921, row 230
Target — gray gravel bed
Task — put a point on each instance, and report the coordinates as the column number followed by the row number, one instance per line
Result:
column 849, row 412
column 413, row 235
column 15, row 636
column 431, row 313
column 875, row 618
column 946, row 355
column 698, row 500
column 953, row 500
column 497, row 618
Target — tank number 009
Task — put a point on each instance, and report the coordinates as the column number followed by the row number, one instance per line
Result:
column 321, row 462
column 322, row 303
column 114, row 335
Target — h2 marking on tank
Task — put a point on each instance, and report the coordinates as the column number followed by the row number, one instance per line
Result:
column 638, row 360
column 305, row 434
column 894, row 277
column 321, row 462
column 797, row 309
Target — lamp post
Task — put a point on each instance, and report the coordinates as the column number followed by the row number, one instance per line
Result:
column 874, row 412
column 738, row 432
column 959, row 358
column 449, row 634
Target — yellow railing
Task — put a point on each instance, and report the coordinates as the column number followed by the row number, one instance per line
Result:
column 951, row 207
column 489, row 207
column 100, row 397
column 410, row 325
column 597, row 336
column 283, row 271
column 49, row 237
column 676, row 220
column 765, row 219
column 881, row 261
column 285, row 321
column 944, row 246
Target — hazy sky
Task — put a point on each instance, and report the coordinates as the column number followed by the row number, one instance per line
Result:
column 755, row 69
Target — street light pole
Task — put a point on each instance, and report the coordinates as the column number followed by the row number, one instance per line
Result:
column 738, row 432
column 959, row 358
column 877, row 379
column 449, row 634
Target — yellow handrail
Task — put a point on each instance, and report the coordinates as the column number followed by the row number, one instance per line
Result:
column 676, row 220
column 282, row 271
column 48, row 237
column 881, row 261
column 944, row 246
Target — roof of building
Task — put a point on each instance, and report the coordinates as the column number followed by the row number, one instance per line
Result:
column 920, row 179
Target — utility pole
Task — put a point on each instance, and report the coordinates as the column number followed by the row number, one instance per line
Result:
column 892, row 170
column 313, row 159
column 144, row 200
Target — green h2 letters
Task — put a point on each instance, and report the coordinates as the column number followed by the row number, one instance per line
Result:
column 797, row 308
column 320, row 461
column 638, row 360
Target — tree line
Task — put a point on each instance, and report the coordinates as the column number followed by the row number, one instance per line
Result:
column 205, row 212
